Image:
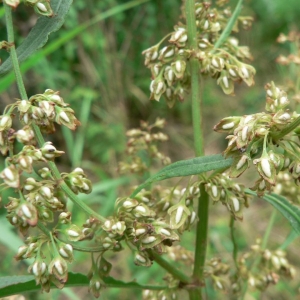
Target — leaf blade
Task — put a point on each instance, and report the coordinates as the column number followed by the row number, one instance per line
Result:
column 288, row 210
column 187, row 167
column 11, row 285
column 38, row 36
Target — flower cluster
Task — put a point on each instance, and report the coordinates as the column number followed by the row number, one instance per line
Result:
column 264, row 138
column 50, row 260
column 232, row 195
column 142, row 147
column 170, row 74
column 40, row 194
column 271, row 265
column 46, row 109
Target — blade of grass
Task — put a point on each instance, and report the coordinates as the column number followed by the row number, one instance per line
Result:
column 80, row 134
column 7, row 80
column 226, row 32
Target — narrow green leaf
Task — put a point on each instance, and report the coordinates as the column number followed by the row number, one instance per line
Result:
column 288, row 210
column 8, row 79
column 38, row 35
column 226, row 32
column 11, row 285
column 187, row 167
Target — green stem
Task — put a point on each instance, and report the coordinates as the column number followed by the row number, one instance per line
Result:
column 287, row 129
column 196, row 95
column 226, row 32
column 263, row 247
column 234, row 243
column 291, row 237
column 194, row 294
column 269, row 229
column 47, row 232
column 170, row 267
column 201, row 237
column 13, row 53
column 196, row 82
column 37, row 132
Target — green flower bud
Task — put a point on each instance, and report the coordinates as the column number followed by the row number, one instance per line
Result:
column 5, row 122
column 227, row 125
column 141, row 258
column 59, row 268
column 10, row 176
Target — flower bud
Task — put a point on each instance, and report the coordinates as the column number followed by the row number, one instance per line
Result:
column 28, row 213
column 178, row 214
column 74, row 233
column 178, row 68
column 179, row 37
column 42, row 7
column 142, row 259
column 226, row 83
column 227, row 124
column 50, row 152
column 58, row 267
column 166, row 53
column 151, row 54
column 66, row 251
column 10, row 176
column 5, row 122
column 66, row 117
column 157, row 88
column 119, row 227
column 48, row 108
column 247, row 72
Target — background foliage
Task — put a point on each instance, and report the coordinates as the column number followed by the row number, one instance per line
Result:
column 100, row 73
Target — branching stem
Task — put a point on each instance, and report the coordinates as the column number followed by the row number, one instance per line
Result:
column 37, row 132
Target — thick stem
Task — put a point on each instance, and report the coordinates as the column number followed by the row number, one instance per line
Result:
column 170, row 268
column 201, row 237
column 196, row 86
column 37, row 132
column 196, row 95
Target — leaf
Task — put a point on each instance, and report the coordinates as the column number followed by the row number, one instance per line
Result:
column 11, row 285
column 288, row 210
column 38, row 35
column 187, row 167
column 227, row 30
column 8, row 79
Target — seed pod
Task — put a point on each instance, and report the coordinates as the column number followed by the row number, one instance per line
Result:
column 74, row 233
column 227, row 125
column 151, row 54
column 169, row 75
column 178, row 68
column 157, row 88
column 246, row 72
column 178, row 214
column 166, row 53
column 43, row 7
column 49, row 151
column 142, row 259
column 239, row 166
column 10, row 176
column 58, row 267
column 226, row 83
column 5, row 122
column 266, row 168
